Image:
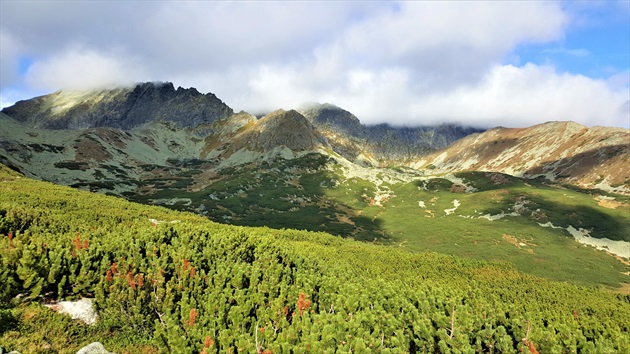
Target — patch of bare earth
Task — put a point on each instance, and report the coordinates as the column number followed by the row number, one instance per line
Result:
column 147, row 190
column 625, row 261
column 458, row 188
column 497, row 178
column 624, row 289
column 88, row 149
column 344, row 219
column 513, row 240
column 610, row 203
column 113, row 137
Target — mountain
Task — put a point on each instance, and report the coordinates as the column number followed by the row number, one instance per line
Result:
column 461, row 248
column 164, row 281
column 566, row 152
column 278, row 130
column 320, row 169
column 122, row 108
column 379, row 144
column 110, row 137
column 330, row 117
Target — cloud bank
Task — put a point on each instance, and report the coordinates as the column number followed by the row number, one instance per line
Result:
column 407, row 63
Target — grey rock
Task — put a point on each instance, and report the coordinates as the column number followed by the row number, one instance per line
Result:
column 82, row 309
column 330, row 116
column 11, row 352
column 94, row 348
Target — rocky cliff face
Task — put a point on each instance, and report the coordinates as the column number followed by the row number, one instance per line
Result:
column 565, row 151
column 122, row 108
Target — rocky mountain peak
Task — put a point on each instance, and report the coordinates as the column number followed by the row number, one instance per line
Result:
column 122, row 108
column 329, row 116
column 284, row 128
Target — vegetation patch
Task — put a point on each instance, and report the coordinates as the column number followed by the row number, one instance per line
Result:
column 186, row 284
column 72, row 165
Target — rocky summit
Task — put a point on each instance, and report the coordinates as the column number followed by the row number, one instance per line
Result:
column 123, row 108
column 282, row 128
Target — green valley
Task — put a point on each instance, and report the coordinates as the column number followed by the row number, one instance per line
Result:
column 478, row 215
column 168, row 281
column 194, row 229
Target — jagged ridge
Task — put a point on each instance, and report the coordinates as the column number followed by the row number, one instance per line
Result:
column 122, row 108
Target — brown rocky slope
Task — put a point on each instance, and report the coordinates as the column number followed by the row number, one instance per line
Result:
column 597, row 157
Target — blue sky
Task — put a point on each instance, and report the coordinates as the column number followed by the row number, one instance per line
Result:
column 479, row 63
column 596, row 44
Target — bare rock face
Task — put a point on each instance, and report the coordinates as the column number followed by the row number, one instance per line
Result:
column 285, row 128
column 122, row 108
column 328, row 116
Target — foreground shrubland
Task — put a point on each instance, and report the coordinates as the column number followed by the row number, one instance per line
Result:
column 167, row 281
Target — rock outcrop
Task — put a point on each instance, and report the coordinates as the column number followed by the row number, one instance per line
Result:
column 82, row 310
column 330, row 117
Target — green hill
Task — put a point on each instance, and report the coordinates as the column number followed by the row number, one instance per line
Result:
column 497, row 218
column 169, row 281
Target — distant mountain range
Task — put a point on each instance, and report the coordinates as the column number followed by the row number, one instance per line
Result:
column 440, row 189
column 113, row 135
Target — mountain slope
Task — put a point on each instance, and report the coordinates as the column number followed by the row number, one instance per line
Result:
column 568, row 152
column 378, row 144
column 317, row 172
column 122, row 108
column 96, row 155
column 279, row 129
column 175, row 282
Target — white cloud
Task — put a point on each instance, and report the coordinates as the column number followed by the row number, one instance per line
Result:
column 521, row 96
column 445, row 43
column 405, row 63
column 10, row 50
column 80, row 68
column 507, row 95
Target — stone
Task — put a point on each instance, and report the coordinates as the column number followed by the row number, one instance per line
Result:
column 82, row 309
column 94, row 348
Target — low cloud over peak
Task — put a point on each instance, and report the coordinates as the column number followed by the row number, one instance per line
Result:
column 407, row 63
